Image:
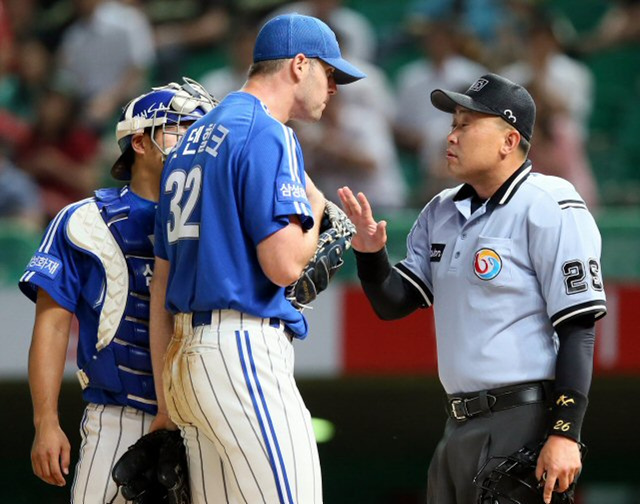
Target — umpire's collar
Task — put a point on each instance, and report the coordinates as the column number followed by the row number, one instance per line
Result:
column 506, row 190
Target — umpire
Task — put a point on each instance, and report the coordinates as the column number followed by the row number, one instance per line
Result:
column 510, row 262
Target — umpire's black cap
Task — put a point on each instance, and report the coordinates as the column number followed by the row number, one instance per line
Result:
column 495, row 95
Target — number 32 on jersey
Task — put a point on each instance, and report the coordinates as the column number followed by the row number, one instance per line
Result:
column 178, row 182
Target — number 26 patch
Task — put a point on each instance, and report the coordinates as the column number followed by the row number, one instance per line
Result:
column 575, row 276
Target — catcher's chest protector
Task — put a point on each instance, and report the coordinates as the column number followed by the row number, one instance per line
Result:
column 119, row 239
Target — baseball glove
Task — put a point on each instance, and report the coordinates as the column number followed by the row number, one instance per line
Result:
column 336, row 232
column 154, row 470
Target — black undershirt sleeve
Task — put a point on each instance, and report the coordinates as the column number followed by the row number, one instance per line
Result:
column 574, row 366
column 390, row 295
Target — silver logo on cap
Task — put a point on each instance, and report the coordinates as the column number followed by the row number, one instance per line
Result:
column 478, row 85
column 509, row 115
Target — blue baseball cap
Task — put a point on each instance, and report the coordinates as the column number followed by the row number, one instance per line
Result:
column 285, row 36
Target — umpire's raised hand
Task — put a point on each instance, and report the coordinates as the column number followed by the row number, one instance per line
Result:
column 371, row 236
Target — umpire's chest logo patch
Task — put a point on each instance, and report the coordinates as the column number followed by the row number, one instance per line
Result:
column 487, row 264
column 437, row 249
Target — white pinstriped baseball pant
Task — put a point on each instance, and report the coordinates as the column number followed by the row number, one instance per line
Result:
column 107, row 432
column 229, row 385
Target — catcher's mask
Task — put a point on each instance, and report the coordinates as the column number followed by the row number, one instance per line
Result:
column 167, row 107
column 512, row 480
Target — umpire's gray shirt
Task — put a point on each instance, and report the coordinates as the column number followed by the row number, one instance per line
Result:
column 501, row 278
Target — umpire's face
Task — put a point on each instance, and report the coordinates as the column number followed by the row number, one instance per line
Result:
column 477, row 144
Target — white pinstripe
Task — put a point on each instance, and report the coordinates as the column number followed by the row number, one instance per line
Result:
column 48, row 237
column 290, row 154
column 27, row 276
column 209, row 396
column 47, row 240
column 107, row 431
column 286, row 416
column 296, row 168
column 264, row 416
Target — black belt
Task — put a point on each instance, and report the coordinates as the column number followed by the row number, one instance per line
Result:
column 462, row 407
column 201, row 318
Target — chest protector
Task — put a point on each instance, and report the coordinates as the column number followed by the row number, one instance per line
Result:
column 119, row 239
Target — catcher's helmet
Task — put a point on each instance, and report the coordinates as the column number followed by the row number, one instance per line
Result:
column 512, row 480
column 163, row 106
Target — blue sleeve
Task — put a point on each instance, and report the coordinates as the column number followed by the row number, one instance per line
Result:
column 55, row 267
column 272, row 183
column 159, row 238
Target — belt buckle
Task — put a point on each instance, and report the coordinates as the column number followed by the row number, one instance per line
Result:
column 458, row 408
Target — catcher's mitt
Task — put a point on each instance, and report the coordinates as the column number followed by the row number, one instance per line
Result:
column 154, row 470
column 336, row 232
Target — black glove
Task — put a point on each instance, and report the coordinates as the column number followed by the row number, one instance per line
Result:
column 154, row 470
column 513, row 479
column 336, row 232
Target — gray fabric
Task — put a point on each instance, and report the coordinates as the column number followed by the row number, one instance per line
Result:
column 466, row 446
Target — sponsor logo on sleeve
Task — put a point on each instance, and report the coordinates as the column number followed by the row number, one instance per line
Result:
column 437, row 249
column 45, row 264
column 288, row 190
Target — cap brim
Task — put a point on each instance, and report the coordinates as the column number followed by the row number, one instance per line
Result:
column 448, row 100
column 345, row 72
column 121, row 170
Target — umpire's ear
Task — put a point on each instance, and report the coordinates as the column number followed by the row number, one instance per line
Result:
column 511, row 141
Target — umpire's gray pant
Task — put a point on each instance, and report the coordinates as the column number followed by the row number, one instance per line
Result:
column 466, row 446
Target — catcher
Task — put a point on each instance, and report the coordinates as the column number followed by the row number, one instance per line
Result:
column 96, row 261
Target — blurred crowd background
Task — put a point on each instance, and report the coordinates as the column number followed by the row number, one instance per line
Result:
column 68, row 66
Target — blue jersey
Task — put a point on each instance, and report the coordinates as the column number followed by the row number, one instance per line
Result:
column 234, row 180
column 96, row 261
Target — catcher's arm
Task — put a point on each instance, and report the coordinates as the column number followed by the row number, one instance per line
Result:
column 284, row 254
column 160, row 332
column 50, row 453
